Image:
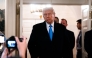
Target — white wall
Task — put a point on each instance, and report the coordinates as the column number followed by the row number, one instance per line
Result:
column 69, row 12
column 86, row 25
column 2, row 4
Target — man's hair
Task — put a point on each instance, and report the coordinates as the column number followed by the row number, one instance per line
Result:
column 57, row 18
column 79, row 21
column 65, row 20
column 48, row 8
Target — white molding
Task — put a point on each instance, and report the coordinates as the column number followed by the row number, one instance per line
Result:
column 10, row 16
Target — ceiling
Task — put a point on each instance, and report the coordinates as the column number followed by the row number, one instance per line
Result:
column 57, row 2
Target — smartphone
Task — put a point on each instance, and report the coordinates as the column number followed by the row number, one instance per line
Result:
column 11, row 44
column 1, row 39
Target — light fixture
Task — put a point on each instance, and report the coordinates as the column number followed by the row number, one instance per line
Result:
column 38, row 7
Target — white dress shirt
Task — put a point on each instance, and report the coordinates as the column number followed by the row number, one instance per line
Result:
column 47, row 26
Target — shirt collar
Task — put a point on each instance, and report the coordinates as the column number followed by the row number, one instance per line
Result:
column 49, row 24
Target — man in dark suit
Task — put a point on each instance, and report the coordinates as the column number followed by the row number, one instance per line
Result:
column 70, row 37
column 47, row 39
column 79, row 40
column 88, row 43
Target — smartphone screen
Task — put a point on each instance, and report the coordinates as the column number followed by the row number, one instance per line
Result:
column 1, row 39
column 11, row 44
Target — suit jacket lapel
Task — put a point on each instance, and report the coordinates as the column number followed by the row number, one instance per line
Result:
column 46, row 34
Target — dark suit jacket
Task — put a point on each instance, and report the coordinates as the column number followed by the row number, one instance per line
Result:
column 40, row 44
column 79, row 39
column 71, row 38
column 88, row 43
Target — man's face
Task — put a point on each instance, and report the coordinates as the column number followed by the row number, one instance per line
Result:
column 79, row 26
column 49, row 16
column 64, row 23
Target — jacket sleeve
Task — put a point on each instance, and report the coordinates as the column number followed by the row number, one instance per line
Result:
column 72, row 40
column 86, row 42
column 65, row 46
column 32, row 44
